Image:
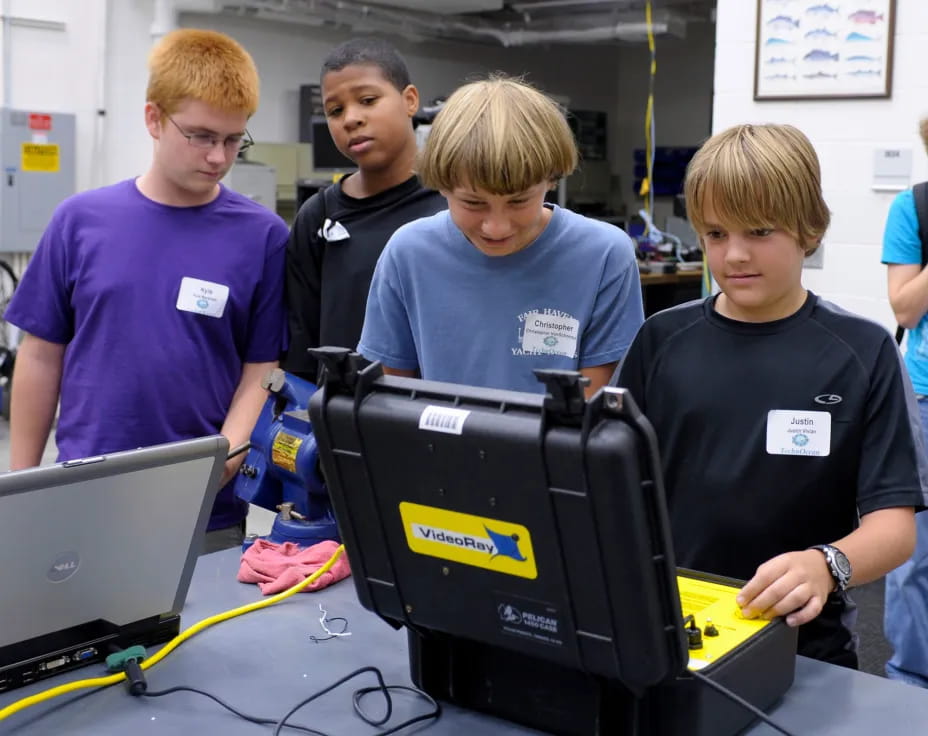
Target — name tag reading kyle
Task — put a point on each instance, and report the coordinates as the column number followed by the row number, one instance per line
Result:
column 202, row 297
column 798, row 433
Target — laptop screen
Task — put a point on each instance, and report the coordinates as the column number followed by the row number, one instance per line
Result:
column 112, row 538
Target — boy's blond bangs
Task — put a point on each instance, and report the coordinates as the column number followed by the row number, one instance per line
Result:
column 759, row 176
column 203, row 65
column 498, row 135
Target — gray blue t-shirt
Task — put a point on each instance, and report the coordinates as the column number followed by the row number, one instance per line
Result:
column 159, row 307
column 570, row 300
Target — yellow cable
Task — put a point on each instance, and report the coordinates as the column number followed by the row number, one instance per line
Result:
column 647, row 185
column 70, row 687
column 706, row 278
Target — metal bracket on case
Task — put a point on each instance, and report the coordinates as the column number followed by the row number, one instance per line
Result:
column 565, row 395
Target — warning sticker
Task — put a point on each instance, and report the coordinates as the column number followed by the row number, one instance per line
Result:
column 40, row 121
column 40, row 157
column 284, row 451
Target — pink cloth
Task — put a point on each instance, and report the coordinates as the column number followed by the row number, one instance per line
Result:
column 276, row 567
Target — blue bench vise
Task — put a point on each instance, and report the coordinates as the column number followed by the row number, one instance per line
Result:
column 281, row 471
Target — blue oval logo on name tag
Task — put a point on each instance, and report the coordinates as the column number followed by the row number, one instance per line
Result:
column 202, row 303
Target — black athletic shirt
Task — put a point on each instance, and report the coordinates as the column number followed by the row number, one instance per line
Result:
column 328, row 281
column 708, row 383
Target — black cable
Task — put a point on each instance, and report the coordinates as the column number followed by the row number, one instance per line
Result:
column 240, row 714
column 436, row 708
column 382, row 687
column 236, row 451
column 740, row 701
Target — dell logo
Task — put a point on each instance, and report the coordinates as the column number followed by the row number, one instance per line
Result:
column 828, row 399
column 63, row 567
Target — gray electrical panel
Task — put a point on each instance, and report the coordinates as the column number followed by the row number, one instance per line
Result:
column 255, row 181
column 38, row 173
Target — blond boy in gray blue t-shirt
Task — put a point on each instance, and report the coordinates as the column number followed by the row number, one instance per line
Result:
column 502, row 284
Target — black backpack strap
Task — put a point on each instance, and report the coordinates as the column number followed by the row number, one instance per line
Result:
column 920, row 194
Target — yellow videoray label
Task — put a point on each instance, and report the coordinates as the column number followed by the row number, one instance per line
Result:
column 715, row 602
column 40, row 157
column 500, row 546
column 284, row 451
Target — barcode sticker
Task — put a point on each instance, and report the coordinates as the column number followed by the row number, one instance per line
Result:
column 443, row 419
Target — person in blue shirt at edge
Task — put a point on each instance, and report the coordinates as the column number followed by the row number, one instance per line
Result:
column 791, row 449
column 501, row 283
column 340, row 231
column 905, row 614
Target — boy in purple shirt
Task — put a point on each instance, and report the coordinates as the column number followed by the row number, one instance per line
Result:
column 153, row 307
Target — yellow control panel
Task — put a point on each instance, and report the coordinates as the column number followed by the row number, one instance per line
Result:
column 718, row 618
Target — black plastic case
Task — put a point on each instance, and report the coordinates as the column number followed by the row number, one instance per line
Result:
column 599, row 646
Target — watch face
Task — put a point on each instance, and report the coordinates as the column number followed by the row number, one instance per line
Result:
column 842, row 564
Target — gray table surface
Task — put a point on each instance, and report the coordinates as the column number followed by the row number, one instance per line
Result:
column 265, row 662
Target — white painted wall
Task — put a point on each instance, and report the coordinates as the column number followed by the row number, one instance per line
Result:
column 845, row 134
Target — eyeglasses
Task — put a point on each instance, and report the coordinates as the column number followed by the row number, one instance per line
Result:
column 235, row 143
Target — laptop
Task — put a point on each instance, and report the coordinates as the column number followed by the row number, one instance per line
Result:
column 97, row 554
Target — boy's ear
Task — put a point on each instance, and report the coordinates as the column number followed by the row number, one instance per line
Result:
column 411, row 98
column 153, row 119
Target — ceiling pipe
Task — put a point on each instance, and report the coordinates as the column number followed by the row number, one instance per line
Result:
column 526, row 37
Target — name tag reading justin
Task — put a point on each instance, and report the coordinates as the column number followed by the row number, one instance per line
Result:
column 202, row 297
column 798, row 433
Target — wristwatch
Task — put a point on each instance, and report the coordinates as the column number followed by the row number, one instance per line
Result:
column 838, row 564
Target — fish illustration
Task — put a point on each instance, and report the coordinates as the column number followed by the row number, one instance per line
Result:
column 866, row 16
column 782, row 22
column 780, row 60
column 866, row 73
column 774, row 40
column 862, row 57
column 855, row 36
column 823, row 9
column 821, row 33
column 820, row 75
column 820, row 55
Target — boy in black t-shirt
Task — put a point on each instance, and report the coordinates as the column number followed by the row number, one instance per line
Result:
column 790, row 438
column 339, row 232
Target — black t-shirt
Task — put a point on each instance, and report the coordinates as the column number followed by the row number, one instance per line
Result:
column 328, row 279
column 726, row 397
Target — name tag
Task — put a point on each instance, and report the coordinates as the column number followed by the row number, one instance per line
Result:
column 549, row 334
column 202, row 297
column 798, row 433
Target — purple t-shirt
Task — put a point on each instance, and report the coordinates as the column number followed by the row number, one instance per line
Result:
column 159, row 307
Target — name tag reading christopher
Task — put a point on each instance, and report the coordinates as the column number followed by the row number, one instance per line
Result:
column 550, row 334
column 798, row 433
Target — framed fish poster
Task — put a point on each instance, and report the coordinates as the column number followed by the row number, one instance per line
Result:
column 824, row 49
